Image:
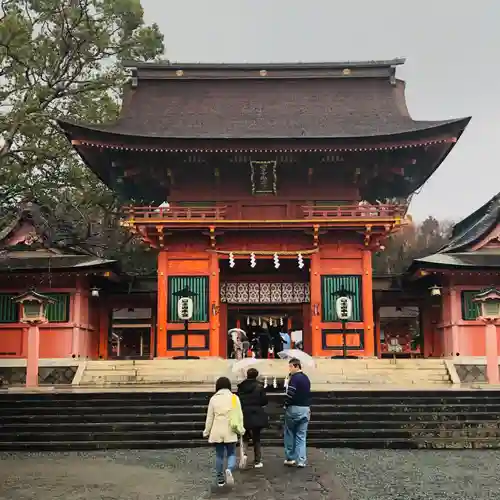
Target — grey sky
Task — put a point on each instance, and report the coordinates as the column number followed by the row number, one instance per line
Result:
column 452, row 69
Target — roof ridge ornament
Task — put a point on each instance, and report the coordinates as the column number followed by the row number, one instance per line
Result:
column 134, row 78
column 392, row 77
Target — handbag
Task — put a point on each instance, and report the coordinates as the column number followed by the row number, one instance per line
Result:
column 236, row 418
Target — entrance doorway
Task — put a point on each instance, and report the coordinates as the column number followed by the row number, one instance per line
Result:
column 130, row 343
column 130, row 334
column 268, row 328
column 265, row 301
column 400, row 332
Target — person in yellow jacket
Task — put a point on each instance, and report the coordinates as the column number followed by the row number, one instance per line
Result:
column 224, row 423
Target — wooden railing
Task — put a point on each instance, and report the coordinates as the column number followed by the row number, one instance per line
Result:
column 177, row 213
column 219, row 212
column 361, row 211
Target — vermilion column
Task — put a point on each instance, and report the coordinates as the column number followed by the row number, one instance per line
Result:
column 77, row 321
column 315, row 293
column 104, row 320
column 367, row 284
column 491, row 346
column 33, row 356
column 377, row 332
column 214, row 309
column 456, row 313
column 161, row 314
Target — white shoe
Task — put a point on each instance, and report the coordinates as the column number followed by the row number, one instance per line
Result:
column 229, row 477
column 290, row 463
column 258, row 465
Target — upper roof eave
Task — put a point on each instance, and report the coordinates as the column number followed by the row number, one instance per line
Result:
column 109, row 132
column 167, row 69
column 257, row 65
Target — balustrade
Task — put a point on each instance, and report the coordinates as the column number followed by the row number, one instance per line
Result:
column 353, row 211
column 308, row 212
column 178, row 213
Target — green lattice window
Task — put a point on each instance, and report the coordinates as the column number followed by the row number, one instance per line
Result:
column 9, row 310
column 58, row 312
column 333, row 284
column 470, row 309
column 196, row 284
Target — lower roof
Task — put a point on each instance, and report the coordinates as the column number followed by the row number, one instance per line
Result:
column 469, row 260
column 53, row 263
column 475, row 226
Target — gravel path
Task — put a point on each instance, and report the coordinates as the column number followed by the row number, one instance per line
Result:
column 417, row 475
column 187, row 475
column 165, row 475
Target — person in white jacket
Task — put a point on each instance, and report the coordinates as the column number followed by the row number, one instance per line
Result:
column 223, row 424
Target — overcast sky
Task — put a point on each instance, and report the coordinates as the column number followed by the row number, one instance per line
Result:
column 452, row 70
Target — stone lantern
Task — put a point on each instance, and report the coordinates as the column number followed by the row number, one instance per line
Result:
column 33, row 312
column 489, row 313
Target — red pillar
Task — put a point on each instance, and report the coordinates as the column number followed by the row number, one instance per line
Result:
column 214, row 309
column 367, row 284
column 315, row 293
column 161, row 314
column 492, row 353
column 33, row 356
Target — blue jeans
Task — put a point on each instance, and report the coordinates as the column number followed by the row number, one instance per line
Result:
column 296, row 423
column 221, row 449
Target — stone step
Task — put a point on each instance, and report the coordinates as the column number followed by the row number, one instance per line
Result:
column 206, row 371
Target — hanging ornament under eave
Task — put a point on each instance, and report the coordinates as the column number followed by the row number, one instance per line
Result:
column 232, row 263
column 253, row 260
column 260, row 321
column 300, row 261
column 281, row 321
column 248, row 320
column 276, row 260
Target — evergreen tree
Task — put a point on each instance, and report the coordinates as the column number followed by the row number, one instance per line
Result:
column 63, row 58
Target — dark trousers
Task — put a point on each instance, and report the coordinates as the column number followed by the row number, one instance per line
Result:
column 254, row 435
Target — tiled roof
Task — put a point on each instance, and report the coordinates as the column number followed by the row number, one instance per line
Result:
column 475, row 226
column 291, row 101
column 54, row 263
column 267, row 109
column 461, row 259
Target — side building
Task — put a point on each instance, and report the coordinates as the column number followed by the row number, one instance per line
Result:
column 466, row 265
column 37, row 254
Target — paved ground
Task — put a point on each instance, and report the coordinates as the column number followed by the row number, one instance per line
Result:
column 187, row 474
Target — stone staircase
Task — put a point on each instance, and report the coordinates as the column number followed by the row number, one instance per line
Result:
column 328, row 374
column 403, row 372
column 158, row 420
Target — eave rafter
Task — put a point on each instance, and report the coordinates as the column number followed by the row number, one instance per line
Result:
column 126, row 145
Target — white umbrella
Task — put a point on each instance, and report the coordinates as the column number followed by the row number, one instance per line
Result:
column 303, row 357
column 238, row 331
column 244, row 364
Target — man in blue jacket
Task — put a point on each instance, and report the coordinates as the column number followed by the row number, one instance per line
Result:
column 297, row 415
